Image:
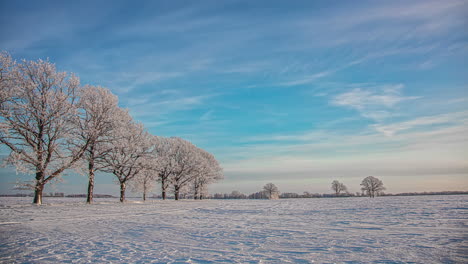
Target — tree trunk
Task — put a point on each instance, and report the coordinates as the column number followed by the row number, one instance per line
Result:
column 195, row 195
column 38, row 193
column 89, row 198
column 122, row 192
column 144, row 190
column 163, row 189
column 176, row 193
column 38, row 188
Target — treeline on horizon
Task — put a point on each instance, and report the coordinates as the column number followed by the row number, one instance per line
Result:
column 290, row 195
column 237, row 195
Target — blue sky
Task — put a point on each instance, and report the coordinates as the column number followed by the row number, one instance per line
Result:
column 297, row 93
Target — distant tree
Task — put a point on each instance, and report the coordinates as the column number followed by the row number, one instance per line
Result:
column 271, row 191
column 290, row 195
column 236, row 195
column 372, row 186
column 338, row 187
column 258, row 195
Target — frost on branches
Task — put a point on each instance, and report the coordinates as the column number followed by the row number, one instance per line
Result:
column 181, row 166
column 128, row 148
column 98, row 110
column 207, row 171
column 7, row 81
column 50, row 124
column 165, row 163
column 38, row 113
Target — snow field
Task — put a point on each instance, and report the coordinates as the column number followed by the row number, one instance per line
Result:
column 423, row 229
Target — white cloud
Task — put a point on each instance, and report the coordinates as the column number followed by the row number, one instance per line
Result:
column 427, row 121
column 373, row 103
column 436, row 150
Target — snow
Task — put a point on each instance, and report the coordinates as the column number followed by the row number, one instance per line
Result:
column 423, row 229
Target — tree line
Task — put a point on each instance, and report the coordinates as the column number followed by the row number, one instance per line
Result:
column 370, row 186
column 51, row 123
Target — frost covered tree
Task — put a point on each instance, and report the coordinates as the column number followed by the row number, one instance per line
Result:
column 271, row 191
column 7, row 80
column 179, row 164
column 98, row 108
column 184, row 158
column 144, row 182
column 129, row 146
column 372, row 186
column 37, row 115
column 208, row 171
column 165, row 164
column 338, row 187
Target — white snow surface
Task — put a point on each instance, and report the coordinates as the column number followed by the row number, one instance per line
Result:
column 423, row 229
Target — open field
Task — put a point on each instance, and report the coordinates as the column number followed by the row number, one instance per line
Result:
column 424, row 229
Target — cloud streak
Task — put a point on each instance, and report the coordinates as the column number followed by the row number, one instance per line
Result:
column 373, row 104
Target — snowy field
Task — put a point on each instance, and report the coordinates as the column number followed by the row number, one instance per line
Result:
column 424, row 229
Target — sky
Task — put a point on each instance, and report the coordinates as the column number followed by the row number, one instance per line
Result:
column 297, row 93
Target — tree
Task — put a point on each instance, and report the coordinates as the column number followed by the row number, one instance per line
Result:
column 372, row 186
column 37, row 116
column 207, row 171
column 143, row 182
column 166, row 164
column 184, row 158
column 338, row 187
column 271, row 191
column 129, row 146
column 98, row 108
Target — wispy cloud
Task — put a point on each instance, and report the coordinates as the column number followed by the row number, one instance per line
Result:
column 425, row 150
column 307, row 79
column 207, row 116
column 423, row 122
column 165, row 106
column 373, row 104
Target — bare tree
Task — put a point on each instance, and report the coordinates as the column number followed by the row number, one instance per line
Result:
column 97, row 110
column 338, row 187
column 130, row 145
column 372, row 186
column 36, row 121
column 271, row 191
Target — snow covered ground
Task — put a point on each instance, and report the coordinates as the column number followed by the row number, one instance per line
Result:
column 424, row 229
